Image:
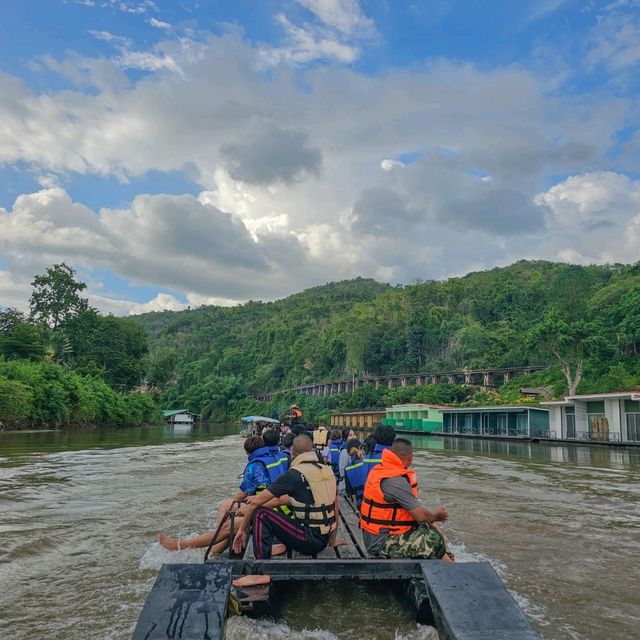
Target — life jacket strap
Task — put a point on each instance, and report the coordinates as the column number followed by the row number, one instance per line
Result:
column 388, row 523
column 393, row 521
column 381, row 505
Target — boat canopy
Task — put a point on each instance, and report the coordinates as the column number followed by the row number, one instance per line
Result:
column 259, row 419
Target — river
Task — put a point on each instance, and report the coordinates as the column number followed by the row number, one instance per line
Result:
column 80, row 511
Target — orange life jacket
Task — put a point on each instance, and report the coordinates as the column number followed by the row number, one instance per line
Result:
column 296, row 413
column 376, row 513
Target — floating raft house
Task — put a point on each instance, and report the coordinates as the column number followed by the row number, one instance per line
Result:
column 464, row 601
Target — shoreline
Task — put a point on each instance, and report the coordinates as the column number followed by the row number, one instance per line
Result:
column 74, row 426
column 473, row 436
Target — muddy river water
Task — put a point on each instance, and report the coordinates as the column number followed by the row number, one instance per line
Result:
column 79, row 513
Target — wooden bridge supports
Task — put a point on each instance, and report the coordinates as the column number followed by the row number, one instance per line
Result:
column 487, row 378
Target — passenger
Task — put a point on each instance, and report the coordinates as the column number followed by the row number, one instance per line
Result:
column 369, row 444
column 256, row 476
column 393, row 521
column 284, row 430
column 348, row 434
column 287, row 444
column 299, row 429
column 331, row 453
column 350, row 455
column 295, row 415
column 358, row 470
column 320, row 437
column 308, row 489
column 383, row 436
column 272, row 442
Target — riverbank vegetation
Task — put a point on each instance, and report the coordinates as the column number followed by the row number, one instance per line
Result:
column 65, row 364
column 583, row 321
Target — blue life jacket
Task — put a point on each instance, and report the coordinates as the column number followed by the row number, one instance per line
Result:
column 355, row 478
column 373, row 459
column 282, row 456
column 285, row 459
column 334, row 455
column 270, row 458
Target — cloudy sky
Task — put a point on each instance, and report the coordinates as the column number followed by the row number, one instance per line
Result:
column 208, row 152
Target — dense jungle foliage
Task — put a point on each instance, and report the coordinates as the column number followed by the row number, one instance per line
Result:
column 584, row 321
column 65, row 364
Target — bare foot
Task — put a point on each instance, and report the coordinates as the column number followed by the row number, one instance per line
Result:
column 277, row 549
column 173, row 544
column 251, row 581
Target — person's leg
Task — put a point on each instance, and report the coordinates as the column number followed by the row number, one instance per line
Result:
column 223, row 507
column 201, row 541
column 269, row 527
column 422, row 542
column 177, row 544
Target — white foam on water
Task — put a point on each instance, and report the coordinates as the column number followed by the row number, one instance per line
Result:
column 240, row 627
column 462, row 555
column 422, row 632
column 156, row 555
column 532, row 610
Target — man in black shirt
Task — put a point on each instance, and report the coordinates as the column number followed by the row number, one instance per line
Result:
column 308, row 491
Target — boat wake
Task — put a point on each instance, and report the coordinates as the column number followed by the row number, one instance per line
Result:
column 155, row 556
column 239, row 628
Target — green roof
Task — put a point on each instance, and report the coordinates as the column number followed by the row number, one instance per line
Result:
column 172, row 412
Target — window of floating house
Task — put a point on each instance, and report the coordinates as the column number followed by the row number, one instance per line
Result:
column 538, row 422
column 501, row 424
column 468, row 422
column 570, row 421
column 595, row 410
column 632, row 411
column 521, row 424
column 596, row 407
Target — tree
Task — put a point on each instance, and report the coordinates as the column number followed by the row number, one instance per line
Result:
column 24, row 341
column 569, row 343
column 110, row 347
column 9, row 318
column 160, row 367
column 19, row 338
column 630, row 323
column 55, row 299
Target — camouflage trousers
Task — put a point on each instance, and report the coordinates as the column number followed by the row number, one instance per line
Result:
column 422, row 542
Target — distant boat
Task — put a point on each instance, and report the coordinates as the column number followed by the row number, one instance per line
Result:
column 255, row 424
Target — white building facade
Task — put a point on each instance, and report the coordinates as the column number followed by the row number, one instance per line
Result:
column 611, row 417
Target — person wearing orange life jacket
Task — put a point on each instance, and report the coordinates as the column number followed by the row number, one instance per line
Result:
column 295, row 414
column 394, row 523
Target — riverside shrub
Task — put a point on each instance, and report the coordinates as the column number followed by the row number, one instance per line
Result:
column 43, row 393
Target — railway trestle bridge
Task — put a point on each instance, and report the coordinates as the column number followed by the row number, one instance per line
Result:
column 483, row 378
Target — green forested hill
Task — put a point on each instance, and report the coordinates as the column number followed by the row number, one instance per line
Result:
column 527, row 313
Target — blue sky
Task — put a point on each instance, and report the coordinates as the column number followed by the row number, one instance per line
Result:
column 186, row 153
